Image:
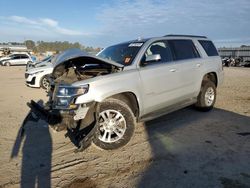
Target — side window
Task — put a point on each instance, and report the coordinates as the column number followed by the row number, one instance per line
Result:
column 24, row 56
column 16, row 57
column 209, row 47
column 183, row 49
column 158, row 48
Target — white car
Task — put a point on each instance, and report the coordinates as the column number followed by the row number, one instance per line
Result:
column 38, row 77
column 42, row 63
column 16, row 59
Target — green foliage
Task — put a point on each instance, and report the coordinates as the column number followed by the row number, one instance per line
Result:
column 30, row 44
column 57, row 46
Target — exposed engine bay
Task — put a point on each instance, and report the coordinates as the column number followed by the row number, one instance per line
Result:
column 60, row 111
column 81, row 69
column 66, row 73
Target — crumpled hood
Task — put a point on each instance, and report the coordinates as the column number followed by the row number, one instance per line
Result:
column 71, row 54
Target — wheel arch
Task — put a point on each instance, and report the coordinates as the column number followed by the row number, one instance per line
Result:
column 41, row 79
column 212, row 76
column 5, row 63
column 130, row 99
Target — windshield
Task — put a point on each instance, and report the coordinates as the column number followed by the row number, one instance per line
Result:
column 122, row 53
column 46, row 59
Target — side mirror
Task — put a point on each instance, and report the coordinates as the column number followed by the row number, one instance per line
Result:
column 153, row 58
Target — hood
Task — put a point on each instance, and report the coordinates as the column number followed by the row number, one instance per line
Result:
column 43, row 64
column 38, row 69
column 4, row 58
column 44, row 61
column 75, row 57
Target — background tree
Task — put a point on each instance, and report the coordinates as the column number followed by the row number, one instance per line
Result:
column 30, row 44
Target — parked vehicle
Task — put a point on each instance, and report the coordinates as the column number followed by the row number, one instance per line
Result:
column 2, row 58
column 42, row 63
column 39, row 76
column 246, row 64
column 16, row 59
column 101, row 98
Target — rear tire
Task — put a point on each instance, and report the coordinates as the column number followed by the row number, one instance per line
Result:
column 115, row 125
column 207, row 96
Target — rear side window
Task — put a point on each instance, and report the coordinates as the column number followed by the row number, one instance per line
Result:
column 209, row 47
column 24, row 56
column 183, row 49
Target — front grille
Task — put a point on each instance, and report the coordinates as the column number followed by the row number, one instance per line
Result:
column 26, row 75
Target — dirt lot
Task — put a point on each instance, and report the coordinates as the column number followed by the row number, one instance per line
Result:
column 186, row 148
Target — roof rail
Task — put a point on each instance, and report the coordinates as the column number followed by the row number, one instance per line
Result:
column 196, row 36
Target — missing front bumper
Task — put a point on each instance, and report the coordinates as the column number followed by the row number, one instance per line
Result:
column 81, row 135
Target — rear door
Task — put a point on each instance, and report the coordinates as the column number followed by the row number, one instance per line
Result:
column 188, row 67
column 23, row 59
column 15, row 60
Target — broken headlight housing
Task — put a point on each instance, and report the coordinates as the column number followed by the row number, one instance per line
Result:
column 65, row 95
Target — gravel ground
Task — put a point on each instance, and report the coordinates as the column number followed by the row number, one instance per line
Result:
column 186, row 148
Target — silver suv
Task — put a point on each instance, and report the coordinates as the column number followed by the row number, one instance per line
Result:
column 101, row 98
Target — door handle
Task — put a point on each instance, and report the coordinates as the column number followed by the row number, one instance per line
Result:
column 172, row 70
column 198, row 65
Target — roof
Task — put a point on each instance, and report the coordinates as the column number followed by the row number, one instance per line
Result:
column 143, row 40
column 191, row 36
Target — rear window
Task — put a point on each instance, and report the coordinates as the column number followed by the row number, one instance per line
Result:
column 183, row 49
column 209, row 47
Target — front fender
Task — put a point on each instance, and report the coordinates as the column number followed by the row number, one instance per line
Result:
column 113, row 84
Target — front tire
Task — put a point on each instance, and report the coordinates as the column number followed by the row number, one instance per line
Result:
column 7, row 64
column 116, row 124
column 45, row 82
column 207, row 96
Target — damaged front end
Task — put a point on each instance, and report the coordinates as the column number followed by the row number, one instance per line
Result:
column 62, row 111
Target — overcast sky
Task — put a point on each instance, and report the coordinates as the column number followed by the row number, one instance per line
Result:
column 102, row 23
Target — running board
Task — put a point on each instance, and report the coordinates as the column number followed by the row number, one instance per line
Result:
column 167, row 110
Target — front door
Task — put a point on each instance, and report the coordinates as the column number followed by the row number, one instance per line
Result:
column 160, row 79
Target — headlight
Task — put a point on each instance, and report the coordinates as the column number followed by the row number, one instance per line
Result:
column 68, row 91
column 66, row 94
